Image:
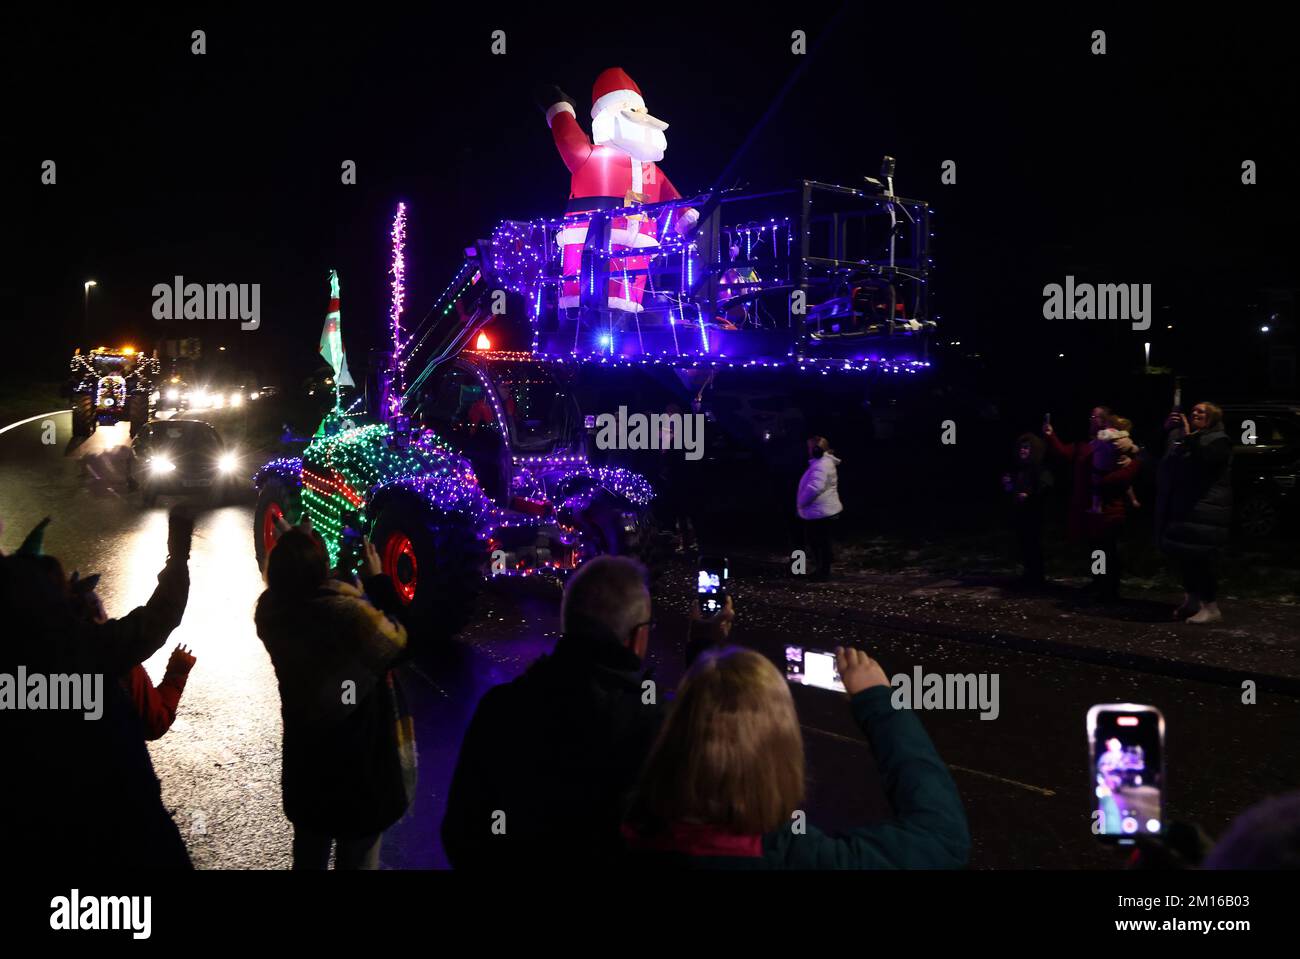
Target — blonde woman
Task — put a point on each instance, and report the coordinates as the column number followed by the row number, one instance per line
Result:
column 726, row 776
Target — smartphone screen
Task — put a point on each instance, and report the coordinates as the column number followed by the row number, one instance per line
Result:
column 712, row 584
column 1126, row 770
column 812, row 667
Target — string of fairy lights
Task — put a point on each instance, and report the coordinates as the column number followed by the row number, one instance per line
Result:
column 397, row 283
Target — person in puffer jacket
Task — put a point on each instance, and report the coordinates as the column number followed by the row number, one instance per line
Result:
column 1194, row 505
column 348, row 756
column 818, row 505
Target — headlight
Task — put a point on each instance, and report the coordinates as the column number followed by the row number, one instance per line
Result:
column 161, row 464
column 228, row 463
column 108, row 401
column 253, row 396
column 173, row 395
column 236, row 399
column 218, row 401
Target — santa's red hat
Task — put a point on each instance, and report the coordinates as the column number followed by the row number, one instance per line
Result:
column 612, row 86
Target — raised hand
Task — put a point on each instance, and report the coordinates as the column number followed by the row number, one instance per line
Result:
column 180, row 531
column 858, row 671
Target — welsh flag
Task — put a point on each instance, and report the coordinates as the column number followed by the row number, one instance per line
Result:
column 331, row 338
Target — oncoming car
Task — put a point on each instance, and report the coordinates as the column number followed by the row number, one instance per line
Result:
column 180, row 457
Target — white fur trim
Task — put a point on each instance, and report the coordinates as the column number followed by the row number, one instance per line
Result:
column 615, row 303
column 564, row 106
column 627, row 238
column 614, row 96
column 627, row 306
column 632, row 239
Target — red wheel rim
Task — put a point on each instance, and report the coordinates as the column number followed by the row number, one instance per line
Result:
column 399, row 564
column 273, row 512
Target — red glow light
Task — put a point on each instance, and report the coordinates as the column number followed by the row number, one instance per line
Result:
column 482, row 344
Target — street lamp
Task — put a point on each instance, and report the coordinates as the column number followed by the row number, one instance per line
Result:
column 85, row 310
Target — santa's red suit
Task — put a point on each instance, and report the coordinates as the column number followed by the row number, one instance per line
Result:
column 617, row 170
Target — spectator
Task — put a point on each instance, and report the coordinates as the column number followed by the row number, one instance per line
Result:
column 1027, row 485
column 1265, row 836
column 349, row 753
column 548, row 760
column 1113, row 448
column 83, row 793
column 1101, row 530
column 676, row 493
column 156, row 705
column 818, row 505
column 1194, row 505
column 726, row 776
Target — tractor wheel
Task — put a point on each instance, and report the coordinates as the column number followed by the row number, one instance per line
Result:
column 434, row 561
column 137, row 411
column 83, row 415
column 277, row 499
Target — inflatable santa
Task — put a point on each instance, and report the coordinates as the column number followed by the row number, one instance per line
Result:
column 614, row 168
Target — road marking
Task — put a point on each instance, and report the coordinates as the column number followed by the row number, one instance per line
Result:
column 974, row 772
column 30, row 419
column 1040, row 790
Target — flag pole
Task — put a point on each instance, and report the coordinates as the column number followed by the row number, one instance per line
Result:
column 336, row 313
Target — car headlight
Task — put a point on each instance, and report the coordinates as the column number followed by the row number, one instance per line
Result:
column 218, row 401
column 236, row 399
column 228, row 463
column 161, row 464
column 173, row 395
column 253, row 396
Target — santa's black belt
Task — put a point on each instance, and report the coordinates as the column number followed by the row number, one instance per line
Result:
column 586, row 204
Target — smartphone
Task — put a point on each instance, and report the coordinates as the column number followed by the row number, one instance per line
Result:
column 1047, row 419
column 712, row 584
column 812, row 667
column 1126, row 770
column 1178, row 395
column 351, row 545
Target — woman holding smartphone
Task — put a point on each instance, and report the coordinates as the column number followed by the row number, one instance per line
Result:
column 1194, row 505
column 724, row 783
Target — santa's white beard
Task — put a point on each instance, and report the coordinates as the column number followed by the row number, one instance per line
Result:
column 639, row 140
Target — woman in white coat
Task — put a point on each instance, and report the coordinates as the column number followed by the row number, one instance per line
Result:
column 818, row 504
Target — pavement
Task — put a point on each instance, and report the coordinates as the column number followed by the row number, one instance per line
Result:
column 1256, row 640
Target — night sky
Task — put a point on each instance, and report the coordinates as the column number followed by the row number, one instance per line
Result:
column 226, row 167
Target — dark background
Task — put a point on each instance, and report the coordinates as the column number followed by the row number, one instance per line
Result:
column 226, row 167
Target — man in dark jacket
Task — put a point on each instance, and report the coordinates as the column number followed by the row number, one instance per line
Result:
column 549, row 759
column 82, row 791
column 1194, row 505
